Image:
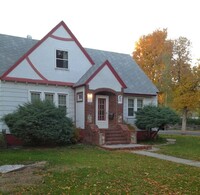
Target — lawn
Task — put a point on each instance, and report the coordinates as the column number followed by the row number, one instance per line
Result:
column 84, row 169
column 185, row 147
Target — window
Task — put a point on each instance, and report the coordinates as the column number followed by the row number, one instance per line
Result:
column 49, row 97
column 62, row 102
column 35, row 96
column 79, row 96
column 139, row 104
column 130, row 107
column 61, row 59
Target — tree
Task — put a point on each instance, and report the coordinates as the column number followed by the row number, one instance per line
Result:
column 155, row 117
column 181, row 58
column 40, row 123
column 185, row 80
column 152, row 52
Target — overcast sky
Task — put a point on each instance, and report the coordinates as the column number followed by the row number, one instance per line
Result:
column 113, row 25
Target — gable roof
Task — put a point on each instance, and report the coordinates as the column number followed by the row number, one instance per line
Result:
column 106, row 63
column 132, row 75
column 37, row 44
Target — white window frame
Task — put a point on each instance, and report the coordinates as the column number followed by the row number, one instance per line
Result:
column 56, row 94
column 61, row 68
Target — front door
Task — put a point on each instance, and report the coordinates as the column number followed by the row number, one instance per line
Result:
column 102, row 111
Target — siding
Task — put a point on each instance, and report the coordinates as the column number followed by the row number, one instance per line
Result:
column 14, row 94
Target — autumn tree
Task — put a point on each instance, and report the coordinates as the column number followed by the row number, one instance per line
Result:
column 153, row 53
column 187, row 95
column 181, row 60
column 185, row 79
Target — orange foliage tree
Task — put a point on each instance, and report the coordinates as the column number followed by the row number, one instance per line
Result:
column 153, row 53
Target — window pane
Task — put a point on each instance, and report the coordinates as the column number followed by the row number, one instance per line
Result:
column 131, row 103
column 61, row 54
column 61, row 63
column 130, row 112
column 49, row 97
column 139, row 104
column 62, row 102
column 35, row 96
column 130, row 107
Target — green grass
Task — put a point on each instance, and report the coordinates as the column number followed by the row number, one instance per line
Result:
column 89, row 170
column 185, row 147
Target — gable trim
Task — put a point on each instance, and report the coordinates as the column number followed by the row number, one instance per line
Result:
column 108, row 64
column 41, row 41
column 60, row 38
column 36, row 81
column 35, row 69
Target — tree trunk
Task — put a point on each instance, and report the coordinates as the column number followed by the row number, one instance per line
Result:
column 184, row 119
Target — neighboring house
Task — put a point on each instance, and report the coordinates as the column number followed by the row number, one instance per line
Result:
column 98, row 89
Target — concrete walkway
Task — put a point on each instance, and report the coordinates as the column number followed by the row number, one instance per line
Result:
column 168, row 158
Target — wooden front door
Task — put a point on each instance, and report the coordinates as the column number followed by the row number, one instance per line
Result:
column 102, row 111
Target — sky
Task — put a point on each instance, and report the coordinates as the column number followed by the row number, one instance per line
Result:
column 112, row 25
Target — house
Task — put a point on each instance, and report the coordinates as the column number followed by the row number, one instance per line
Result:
column 99, row 90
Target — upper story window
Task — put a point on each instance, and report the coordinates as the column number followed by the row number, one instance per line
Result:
column 61, row 59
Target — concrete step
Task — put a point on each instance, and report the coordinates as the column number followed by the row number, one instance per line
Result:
column 114, row 142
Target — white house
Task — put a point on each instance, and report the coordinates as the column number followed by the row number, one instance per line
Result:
column 100, row 90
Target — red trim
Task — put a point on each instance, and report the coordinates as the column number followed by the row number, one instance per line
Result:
column 107, row 63
column 61, row 38
column 78, row 43
column 41, row 41
column 47, row 82
column 36, row 71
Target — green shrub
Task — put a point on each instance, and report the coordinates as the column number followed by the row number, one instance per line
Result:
column 152, row 116
column 40, row 123
column 192, row 121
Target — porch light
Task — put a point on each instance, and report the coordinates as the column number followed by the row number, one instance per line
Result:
column 89, row 97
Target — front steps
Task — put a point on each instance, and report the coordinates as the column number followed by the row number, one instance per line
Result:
column 115, row 136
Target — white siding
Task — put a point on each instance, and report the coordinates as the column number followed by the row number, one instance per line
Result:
column 80, row 109
column 44, row 60
column 146, row 101
column 24, row 71
column 105, row 79
column 14, row 94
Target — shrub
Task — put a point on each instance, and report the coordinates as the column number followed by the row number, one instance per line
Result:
column 155, row 117
column 40, row 123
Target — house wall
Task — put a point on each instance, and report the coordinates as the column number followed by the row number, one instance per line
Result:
column 105, row 79
column 14, row 94
column 150, row 100
column 80, row 108
column 44, row 60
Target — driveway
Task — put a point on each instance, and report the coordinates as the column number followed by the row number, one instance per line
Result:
column 178, row 132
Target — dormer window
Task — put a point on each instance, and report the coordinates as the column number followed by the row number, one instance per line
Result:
column 61, row 59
